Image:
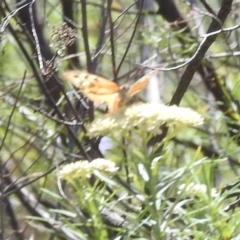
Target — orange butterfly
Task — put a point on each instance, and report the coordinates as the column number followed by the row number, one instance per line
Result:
column 103, row 91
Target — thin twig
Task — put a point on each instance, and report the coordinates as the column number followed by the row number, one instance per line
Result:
column 73, row 123
column 132, row 37
column 1, row 146
column 35, row 36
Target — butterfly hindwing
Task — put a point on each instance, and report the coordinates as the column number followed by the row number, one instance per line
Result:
column 113, row 101
column 140, row 84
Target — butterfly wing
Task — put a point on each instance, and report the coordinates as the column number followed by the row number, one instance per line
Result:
column 97, row 89
column 140, row 84
column 90, row 83
column 113, row 101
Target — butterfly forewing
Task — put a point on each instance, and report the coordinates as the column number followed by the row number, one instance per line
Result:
column 90, row 83
column 97, row 89
column 140, row 84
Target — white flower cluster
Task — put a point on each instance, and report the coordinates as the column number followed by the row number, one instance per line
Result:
column 145, row 116
column 195, row 189
column 84, row 169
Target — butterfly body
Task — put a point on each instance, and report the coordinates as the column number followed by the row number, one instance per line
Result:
column 103, row 91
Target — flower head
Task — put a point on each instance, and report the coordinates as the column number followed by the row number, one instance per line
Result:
column 103, row 165
column 146, row 116
column 84, row 169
